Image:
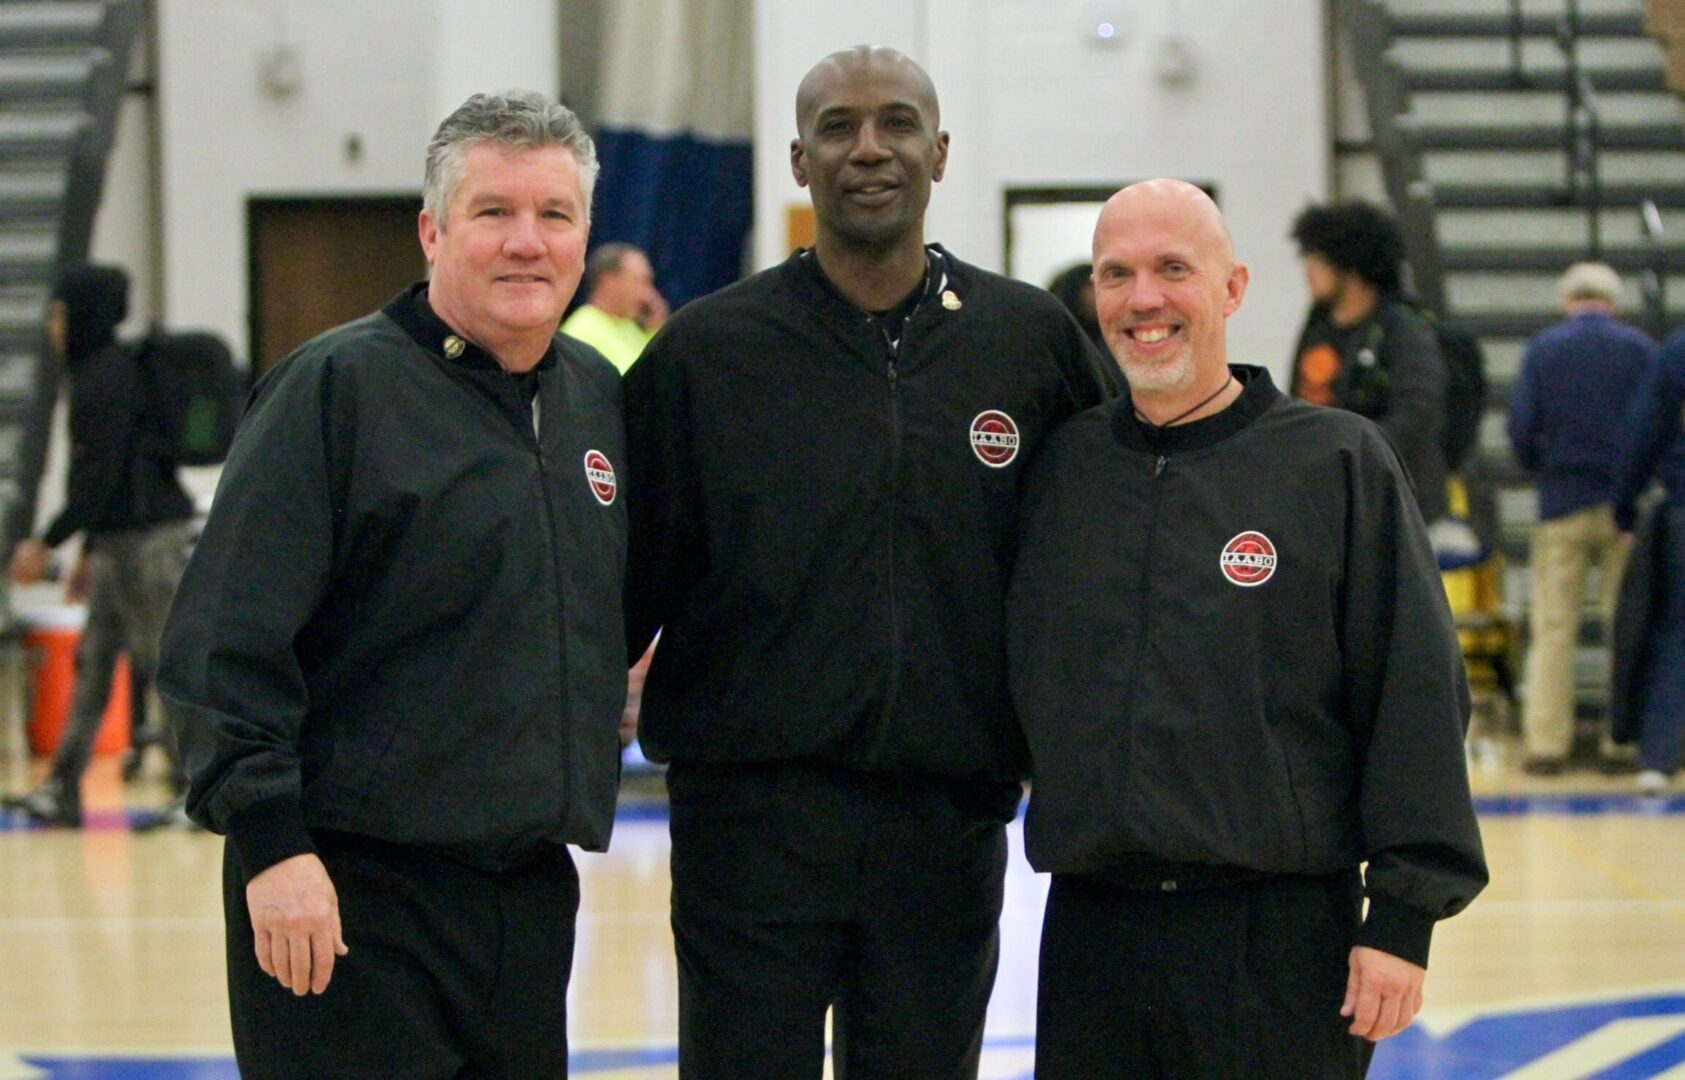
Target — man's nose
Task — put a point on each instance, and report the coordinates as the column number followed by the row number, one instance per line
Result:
column 868, row 146
column 523, row 238
column 1145, row 293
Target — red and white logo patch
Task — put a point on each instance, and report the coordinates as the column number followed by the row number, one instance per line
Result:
column 994, row 439
column 600, row 475
column 1248, row 559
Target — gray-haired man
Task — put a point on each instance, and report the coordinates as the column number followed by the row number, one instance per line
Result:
column 398, row 644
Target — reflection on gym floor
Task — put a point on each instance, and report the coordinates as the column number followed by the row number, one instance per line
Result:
column 1572, row 964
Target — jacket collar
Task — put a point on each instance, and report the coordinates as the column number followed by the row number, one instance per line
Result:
column 1257, row 394
column 802, row 275
column 416, row 317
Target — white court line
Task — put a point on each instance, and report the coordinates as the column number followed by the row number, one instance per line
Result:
column 1609, row 1045
column 1441, row 1023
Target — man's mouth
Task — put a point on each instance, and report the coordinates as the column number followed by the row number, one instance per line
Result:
column 873, row 192
column 520, row 279
column 1150, row 335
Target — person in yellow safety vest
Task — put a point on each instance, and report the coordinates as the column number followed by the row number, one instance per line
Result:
column 622, row 308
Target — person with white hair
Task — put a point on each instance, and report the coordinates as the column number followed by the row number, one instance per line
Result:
column 1576, row 382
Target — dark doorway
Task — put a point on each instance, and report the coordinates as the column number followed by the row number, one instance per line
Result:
column 319, row 262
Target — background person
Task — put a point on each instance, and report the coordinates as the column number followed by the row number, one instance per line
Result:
column 622, row 309
column 1576, row 385
column 1365, row 347
column 129, row 507
column 1656, row 448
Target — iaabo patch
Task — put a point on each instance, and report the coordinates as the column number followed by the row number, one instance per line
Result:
column 994, row 439
column 1248, row 559
column 600, row 475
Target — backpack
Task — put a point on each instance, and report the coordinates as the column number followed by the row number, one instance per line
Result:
column 1465, row 381
column 192, row 396
column 1465, row 389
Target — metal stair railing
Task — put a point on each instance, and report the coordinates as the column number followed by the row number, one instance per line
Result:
column 84, row 185
column 1581, row 131
column 1653, row 282
column 1369, row 31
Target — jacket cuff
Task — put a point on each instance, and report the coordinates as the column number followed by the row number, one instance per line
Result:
column 269, row 832
column 1397, row 928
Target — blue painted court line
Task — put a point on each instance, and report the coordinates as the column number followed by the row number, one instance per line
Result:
column 1569, row 805
column 1485, row 1048
column 1580, row 805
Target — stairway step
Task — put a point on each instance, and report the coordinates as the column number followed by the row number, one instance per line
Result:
column 51, row 25
column 1539, row 108
column 49, row 78
column 1492, row 260
column 1500, row 196
column 1533, row 24
column 1502, row 80
column 33, row 134
column 1669, row 136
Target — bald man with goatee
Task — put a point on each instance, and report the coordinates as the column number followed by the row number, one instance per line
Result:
column 824, row 471
column 1235, row 666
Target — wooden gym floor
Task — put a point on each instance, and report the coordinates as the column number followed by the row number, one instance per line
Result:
column 1572, row 964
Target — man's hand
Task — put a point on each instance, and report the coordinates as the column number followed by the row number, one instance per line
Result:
column 652, row 316
column 81, row 578
column 29, row 562
column 1383, row 993
column 295, row 923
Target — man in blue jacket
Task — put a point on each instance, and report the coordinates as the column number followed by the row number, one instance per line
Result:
column 1577, row 380
column 1656, row 447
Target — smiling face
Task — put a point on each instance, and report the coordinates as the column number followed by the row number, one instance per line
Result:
column 1165, row 281
column 868, row 148
column 509, row 254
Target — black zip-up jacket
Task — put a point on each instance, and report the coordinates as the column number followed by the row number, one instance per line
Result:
column 113, row 486
column 823, row 522
column 1231, row 648
column 403, row 619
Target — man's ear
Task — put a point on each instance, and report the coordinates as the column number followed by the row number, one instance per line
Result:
column 797, row 168
column 429, row 232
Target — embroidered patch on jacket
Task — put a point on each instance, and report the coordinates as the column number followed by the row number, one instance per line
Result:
column 600, row 475
column 1248, row 559
column 994, row 439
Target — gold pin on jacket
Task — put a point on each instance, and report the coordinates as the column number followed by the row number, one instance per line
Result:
column 454, row 346
column 950, row 300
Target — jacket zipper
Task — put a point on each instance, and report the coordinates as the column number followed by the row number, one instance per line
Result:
column 530, row 428
column 893, row 353
column 1146, row 622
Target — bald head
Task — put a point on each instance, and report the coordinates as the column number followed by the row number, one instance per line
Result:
column 1175, row 200
column 870, row 63
column 1165, row 282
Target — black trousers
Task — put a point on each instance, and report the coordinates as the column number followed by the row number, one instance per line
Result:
column 1232, row 982
column 798, row 885
column 452, row 972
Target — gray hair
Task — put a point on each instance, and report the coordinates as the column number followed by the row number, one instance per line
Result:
column 606, row 259
column 515, row 120
column 1590, row 281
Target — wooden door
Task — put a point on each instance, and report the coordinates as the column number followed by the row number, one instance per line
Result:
column 319, row 262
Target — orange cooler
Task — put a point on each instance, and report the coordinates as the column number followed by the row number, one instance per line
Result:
column 50, row 640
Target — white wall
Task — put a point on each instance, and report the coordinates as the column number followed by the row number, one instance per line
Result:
column 382, row 72
column 1030, row 101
